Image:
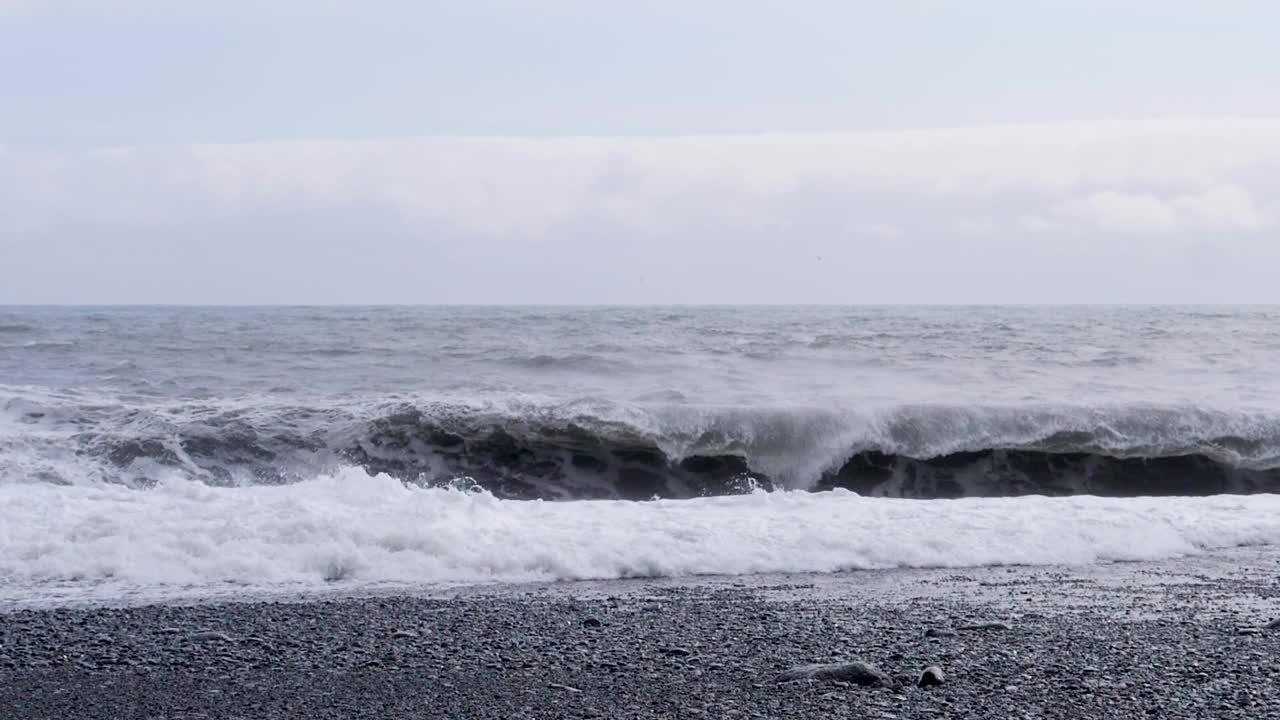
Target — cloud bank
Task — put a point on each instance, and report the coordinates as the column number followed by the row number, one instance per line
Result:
column 700, row 219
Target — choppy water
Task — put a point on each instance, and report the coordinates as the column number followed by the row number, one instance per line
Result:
column 109, row 417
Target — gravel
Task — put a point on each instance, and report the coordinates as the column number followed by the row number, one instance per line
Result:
column 659, row 651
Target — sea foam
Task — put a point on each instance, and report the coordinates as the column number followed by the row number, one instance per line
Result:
column 350, row 530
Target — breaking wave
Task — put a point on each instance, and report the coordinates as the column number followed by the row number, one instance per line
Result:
column 526, row 449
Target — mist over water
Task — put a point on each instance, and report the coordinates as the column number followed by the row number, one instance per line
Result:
column 636, row 402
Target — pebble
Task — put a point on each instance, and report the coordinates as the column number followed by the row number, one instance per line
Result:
column 567, row 688
column 931, row 676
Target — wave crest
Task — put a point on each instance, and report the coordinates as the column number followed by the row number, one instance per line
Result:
column 589, row 449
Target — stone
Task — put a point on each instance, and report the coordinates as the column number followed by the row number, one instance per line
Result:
column 1273, row 625
column 591, row 623
column 406, row 634
column 675, row 651
column 940, row 632
column 857, row 672
column 931, row 676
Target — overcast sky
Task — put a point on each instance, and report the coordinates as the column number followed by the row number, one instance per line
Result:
column 577, row 151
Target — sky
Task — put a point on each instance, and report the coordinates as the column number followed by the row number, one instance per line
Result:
column 691, row 151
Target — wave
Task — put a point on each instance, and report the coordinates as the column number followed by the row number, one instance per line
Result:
column 575, row 362
column 529, row 449
column 352, row 530
column 49, row 345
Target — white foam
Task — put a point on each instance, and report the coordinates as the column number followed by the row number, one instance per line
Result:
column 107, row 541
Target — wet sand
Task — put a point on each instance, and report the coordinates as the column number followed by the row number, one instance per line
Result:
column 1173, row 639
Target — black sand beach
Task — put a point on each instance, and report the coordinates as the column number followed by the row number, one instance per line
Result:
column 1175, row 639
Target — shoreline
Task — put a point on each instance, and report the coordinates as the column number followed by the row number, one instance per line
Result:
column 1061, row 586
column 1176, row 638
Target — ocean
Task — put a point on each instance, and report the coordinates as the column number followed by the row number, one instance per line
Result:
column 157, row 452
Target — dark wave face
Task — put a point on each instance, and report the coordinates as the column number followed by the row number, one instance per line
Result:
column 558, row 452
column 635, row 403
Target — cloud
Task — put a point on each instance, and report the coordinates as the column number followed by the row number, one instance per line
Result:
column 994, row 214
column 1125, row 212
column 1217, row 208
column 1221, row 207
column 1156, row 176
